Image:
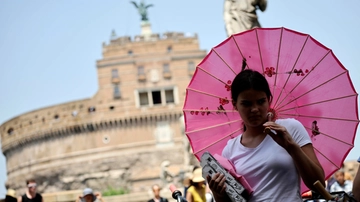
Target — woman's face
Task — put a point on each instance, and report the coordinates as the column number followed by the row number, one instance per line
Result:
column 252, row 106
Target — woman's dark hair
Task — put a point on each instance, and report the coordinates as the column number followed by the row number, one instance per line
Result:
column 249, row 79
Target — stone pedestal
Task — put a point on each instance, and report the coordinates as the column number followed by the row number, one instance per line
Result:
column 146, row 30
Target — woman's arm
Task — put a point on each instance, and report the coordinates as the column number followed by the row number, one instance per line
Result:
column 307, row 164
column 304, row 157
column 189, row 196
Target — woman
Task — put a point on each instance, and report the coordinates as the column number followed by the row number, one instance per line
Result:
column 197, row 190
column 271, row 163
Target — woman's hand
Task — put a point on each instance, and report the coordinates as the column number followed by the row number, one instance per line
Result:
column 218, row 186
column 282, row 136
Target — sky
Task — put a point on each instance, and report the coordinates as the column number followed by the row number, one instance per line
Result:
column 48, row 49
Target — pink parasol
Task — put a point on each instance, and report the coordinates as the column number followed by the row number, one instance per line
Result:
column 306, row 79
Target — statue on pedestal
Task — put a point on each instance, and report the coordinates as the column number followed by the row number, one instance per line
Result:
column 142, row 9
column 240, row 15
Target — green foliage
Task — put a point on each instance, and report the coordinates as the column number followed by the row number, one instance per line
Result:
column 113, row 192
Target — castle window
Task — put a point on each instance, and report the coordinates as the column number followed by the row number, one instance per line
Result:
column 117, row 93
column 156, row 97
column 91, row 109
column 169, row 49
column 166, row 71
column 169, row 96
column 114, row 73
column 141, row 73
column 130, row 52
column 115, row 76
column 144, row 98
column 141, row 70
column 166, row 68
column 10, row 131
column 56, row 116
column 191, row 67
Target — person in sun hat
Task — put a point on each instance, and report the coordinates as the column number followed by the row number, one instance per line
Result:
column 89, row 196
column 197, row 190
column 10, row 196
column 31, row 194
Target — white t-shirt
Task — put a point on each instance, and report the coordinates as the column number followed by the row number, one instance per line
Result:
column 268, row 168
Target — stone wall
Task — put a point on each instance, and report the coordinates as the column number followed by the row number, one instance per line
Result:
column 99, row 168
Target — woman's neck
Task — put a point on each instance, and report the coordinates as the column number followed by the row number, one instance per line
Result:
column 254, row 131
column 252, row 137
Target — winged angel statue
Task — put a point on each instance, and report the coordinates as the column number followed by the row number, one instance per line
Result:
column 142, row 9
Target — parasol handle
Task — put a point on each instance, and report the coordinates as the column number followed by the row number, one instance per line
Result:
column 321, row 189
column 270, row 116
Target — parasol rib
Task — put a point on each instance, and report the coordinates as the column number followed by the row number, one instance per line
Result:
column 297, row 59
column 199, row 110
column 213, row 126
column 278, row 58
column 321, row 117
column 315, row 103
column 237, row 45
column 215, row 142
column 224, row 61
column 205, row 93
column 327, row 158
column 326, row 135
column 309, row 90
column 261, row 59
column 327, row 53
column 211, row 75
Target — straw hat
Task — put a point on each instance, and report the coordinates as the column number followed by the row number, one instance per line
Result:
column 11, row 192
column 197, row 176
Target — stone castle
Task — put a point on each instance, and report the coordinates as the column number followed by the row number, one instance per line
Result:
column 122, row 135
